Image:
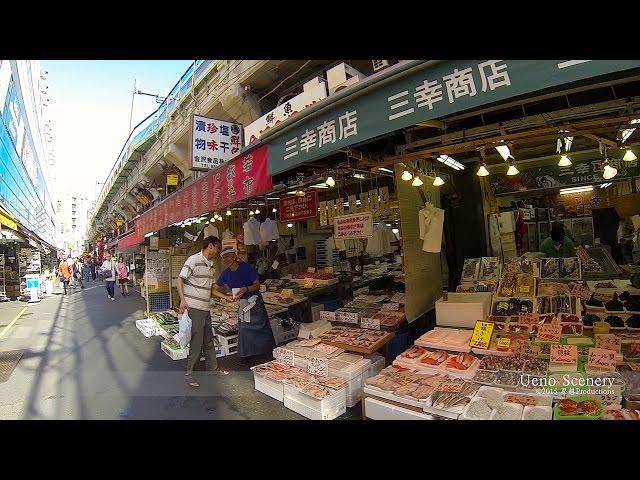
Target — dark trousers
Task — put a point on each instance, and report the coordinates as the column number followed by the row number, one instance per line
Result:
column 201, row 337
column 64, row 284
column 111, row 284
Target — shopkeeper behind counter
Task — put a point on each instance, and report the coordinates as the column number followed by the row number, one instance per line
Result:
column 558, row 245
column 254, row 329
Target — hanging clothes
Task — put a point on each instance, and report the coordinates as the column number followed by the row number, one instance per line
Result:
column 431, row 222
column 379, row 243
column 252, row 232
column 337, row 244
column 269, row 230
column 211, row 230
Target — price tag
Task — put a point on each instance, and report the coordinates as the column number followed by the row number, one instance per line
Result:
column 550, row 332
column 504, row 343
column 275, row 264
column 319, row 366
column 521, row 399
column 311, row 270
column 326, row 349
column 601, row 358
column 634, row 366
column 309, row 343
column 528, row 318
column 451, row 387
column 308, row 283
column 394, row 307
column 481, row 337
column 284, row 356
column 603, row 297
column 328, row 316
column 306, row 333
column 371, row 323
column 525, row 288
column 581, row 291
column 609, row 342
column 565, row 354
column 347, row 317
column 287, row 293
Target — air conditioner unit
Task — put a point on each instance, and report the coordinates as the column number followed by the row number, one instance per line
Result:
column 342, row 76
column 380, row 64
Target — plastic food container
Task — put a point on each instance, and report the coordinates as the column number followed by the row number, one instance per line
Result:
column 537, row 413
column 486, row 377
column 477, row 409
column 597, row 416
column 507, row 411
column 493, row 395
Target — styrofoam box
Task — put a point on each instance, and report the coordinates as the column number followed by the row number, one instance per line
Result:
column 269, row 387
column 378, row 410
column 377, row 364
column 326, row 409
column 179, row 354
column 463, row 309
column 228, row 341
column 354, row 373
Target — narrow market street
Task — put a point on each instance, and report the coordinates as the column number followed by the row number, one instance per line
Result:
column 84, row 359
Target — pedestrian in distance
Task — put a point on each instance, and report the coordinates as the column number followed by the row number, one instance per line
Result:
column 93, row 268
column 123, row 277
column 77, row 271
column 194, row 288
column 65, row 274
column 108, row 269
column 86, row 272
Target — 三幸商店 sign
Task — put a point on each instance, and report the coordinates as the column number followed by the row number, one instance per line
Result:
column 428, row 92
column 213, row 142
column 357, row 225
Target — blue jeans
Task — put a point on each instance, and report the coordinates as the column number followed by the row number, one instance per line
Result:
column 111, row 284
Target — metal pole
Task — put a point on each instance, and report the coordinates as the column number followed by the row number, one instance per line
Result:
column 133, row 98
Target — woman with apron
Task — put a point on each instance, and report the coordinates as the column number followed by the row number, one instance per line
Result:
column 254, row 330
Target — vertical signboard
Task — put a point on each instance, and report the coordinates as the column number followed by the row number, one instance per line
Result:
column 213, row 142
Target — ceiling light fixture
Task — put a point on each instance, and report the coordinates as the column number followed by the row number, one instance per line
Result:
column 383, row 169
column 395, row 231
column 569, row 191
column 438, row 181
column 512, row 169
column 482, row 171
column 450, row 162
column 504, row 152
column 564, row 161
column 629, row 156
column 330, row 182
column 417, row 182
column 605, row 185
column 290, row 225
column 608, row 172
column 406, row 176
column 274, row 210
column 257, row 211
column 359, row 176
column 228, row 213
column 251, row 212
column 300, row 193
column 626, row 133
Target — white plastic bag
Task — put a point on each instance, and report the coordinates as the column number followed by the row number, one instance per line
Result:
column 183, row 337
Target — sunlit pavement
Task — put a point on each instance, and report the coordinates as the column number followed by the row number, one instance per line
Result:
column 85, row 359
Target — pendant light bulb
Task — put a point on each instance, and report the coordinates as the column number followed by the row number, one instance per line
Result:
column 228, row 212
column 251, row 212
column 406, row 176
column 482, row 171
column 417, row 182
column 564, row 161
column 512, row 170
column 438, row 181
column 257, row 211
column 274, row 209
column 629, row 156
column 608, row 172
column 330, row 182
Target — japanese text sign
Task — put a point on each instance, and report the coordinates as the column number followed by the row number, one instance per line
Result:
column 326, row 349
column 504, row 343
column 319, row 366
column 370, row 323
column 550, row 332
column 347, row 317
column 609, row 342
column 358, row 225
column 581, row 291
column 566, row 354
column 213, row 142
column 296, row 207
column 602, row 359
column 394, row 307
column 481, row 337
column 284, row 356
column 327, row 316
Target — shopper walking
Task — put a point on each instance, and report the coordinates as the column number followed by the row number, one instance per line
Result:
column 93, row 268
column 194, row 288
column 254, row 329
column 123, row 277
column 65, row 274
column 86, row 272
column 109, row 271
column 77, row 271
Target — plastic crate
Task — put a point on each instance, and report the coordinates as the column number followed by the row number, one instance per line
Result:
column 269, row 387
column 326, row 409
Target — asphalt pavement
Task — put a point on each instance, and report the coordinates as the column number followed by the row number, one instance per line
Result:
column 84, row 358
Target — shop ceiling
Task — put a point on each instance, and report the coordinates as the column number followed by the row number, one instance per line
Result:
column 531, row 126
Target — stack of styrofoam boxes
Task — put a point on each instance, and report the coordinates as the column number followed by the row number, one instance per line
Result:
column 326, row 409
column 354, row 369
column 280, row 334
column 269, row 387
column 148, row 327
column 377, row 364
column 228, row 345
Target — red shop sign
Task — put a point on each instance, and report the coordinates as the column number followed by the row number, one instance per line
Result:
column 295, row 208
column 240, row 178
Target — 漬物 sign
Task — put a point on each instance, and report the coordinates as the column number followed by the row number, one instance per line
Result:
column 213, row 142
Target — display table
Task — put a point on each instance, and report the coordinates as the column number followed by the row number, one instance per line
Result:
column 363, row 350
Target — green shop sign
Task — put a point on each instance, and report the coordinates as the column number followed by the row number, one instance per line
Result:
column 583, row 172
column 433, row 92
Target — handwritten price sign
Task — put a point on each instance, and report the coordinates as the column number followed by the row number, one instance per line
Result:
column 347, row 317
column 481, row 337
column 550, row 333
column 503, row 344
column 609, row 342
column 371, row 323
column 580, row 291
column 319, row 366
column 284, row 356
column 394, row 307
column 328, row 316
column 566, row 354
column 601, row 358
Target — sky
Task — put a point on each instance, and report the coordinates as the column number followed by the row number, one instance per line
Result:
column 90, row 108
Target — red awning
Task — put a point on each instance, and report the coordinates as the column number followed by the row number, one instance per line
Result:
column 130, row 241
